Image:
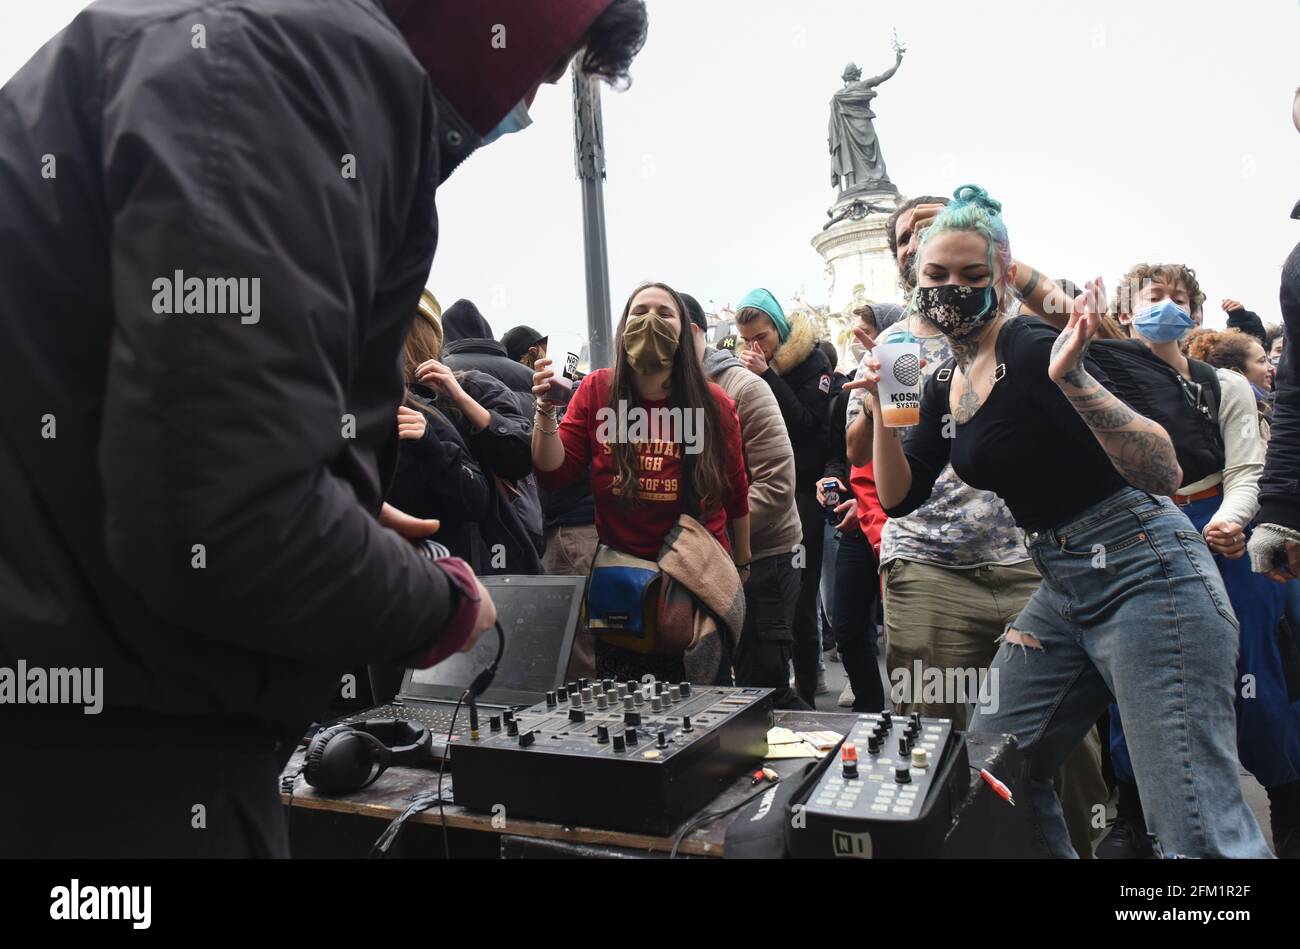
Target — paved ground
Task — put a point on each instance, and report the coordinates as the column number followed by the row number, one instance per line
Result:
column 1255, row 795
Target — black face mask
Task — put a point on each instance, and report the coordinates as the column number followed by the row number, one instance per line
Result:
column 958, row 311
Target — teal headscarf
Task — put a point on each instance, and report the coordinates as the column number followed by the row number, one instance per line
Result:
column 763, row 300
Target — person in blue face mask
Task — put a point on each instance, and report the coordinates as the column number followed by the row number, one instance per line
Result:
column 1221, row 449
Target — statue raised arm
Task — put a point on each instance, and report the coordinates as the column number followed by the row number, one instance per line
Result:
column 888, row 73
column 856, row 163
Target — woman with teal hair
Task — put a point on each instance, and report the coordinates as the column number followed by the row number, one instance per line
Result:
column 1131, row 605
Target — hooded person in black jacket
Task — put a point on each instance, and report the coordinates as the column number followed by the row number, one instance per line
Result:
column 468, row 345
column 466, row 447
column 217, row 221
column 784, row 353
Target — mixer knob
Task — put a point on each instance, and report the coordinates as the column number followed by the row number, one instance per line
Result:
column 584, row 683
column 586, row 696
column 686, row 723
column 656, row 704
column 904, row 747
column 601, row 702
column 562, row 694
column 550, row 700
column 887, row 719
column 577, row 715
column 638, row 697
column 920, row 759
column 902, row 775
column 573, row 686
column 509, row 715
column 659, row 688
column 494, row 723
column 619, row 743
column 632, row 686
column 512, row 728
column 631, row 735
column 628, row 704
column 631, row 718
column 674, row 693
column 606, row 685
column 575, row 700
column 873, row 745
column 685, row 688
column 662, row 738
column 526, row 739
column 849, row 759
column 602, row 734
column 916, row 720
column 620, row 690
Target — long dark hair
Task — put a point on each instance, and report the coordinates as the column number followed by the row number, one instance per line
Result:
column 704, row 482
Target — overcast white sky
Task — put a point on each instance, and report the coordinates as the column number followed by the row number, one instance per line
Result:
column 1113, row 131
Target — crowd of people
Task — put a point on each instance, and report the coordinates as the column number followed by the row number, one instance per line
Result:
column 1092, row 533
column 1068, row 523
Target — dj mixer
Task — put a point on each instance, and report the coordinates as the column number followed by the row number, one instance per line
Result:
column 625, row 756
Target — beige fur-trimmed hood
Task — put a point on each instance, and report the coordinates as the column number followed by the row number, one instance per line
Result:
column 797, row 345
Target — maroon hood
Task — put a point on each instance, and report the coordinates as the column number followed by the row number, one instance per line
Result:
column 453, row 39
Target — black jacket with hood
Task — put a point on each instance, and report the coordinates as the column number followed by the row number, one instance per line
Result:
column 189, row 501
column 462, row 477
column 467, row 344
column 800, row 378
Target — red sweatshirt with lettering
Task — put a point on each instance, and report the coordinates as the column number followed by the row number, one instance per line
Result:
column 588, row 433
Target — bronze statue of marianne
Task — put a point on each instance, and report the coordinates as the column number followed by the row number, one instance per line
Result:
column 856, row 162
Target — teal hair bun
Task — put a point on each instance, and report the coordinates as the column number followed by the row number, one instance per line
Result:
column 974, row 194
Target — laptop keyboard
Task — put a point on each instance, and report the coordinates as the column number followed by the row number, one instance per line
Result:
column 436, row 718
column 433, row 717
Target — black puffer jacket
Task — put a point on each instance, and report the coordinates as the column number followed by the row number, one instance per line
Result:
column 460, row 476
column 468, row 345
column 800, row 378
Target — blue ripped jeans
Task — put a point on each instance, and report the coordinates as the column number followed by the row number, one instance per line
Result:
column 1268, row 720
column 1131, row 607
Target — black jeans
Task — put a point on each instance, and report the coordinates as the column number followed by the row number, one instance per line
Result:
column 857, row 588
column 807, row 638
column 763, row 656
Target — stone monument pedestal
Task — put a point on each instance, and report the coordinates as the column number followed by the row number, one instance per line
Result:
column 859, row 265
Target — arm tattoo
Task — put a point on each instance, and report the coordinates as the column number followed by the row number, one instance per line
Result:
column 1031, row 285
column 1144, row 457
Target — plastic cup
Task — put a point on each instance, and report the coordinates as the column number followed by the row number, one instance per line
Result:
column 565, row 352
column 900, row 384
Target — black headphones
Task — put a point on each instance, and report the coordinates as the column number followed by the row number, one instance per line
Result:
column 344, row 758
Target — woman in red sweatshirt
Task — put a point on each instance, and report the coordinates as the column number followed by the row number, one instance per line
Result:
column 661, row 441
